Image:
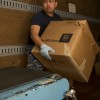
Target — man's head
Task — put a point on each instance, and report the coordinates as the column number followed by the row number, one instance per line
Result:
column 49, row 5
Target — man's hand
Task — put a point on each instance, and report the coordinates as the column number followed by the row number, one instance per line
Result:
column 44, row 49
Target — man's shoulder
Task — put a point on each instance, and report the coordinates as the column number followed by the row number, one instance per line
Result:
column 38, row 18
column 58, row 16
column 38, row 14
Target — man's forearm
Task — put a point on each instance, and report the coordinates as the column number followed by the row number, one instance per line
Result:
column 37, row 40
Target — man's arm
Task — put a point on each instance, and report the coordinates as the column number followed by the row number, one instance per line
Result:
column 44, row 49
column 34, row 35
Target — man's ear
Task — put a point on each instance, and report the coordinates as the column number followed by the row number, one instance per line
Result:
column 56, row 4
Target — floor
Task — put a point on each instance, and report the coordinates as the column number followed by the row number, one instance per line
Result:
column 90, row 90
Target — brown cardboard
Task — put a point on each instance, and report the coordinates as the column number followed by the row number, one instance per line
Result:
column 14, row 29
column 13, row 61
column 73, row 58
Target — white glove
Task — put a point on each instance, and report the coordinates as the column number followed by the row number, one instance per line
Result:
column 44, row 49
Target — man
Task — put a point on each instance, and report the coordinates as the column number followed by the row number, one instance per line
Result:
column 38, row 25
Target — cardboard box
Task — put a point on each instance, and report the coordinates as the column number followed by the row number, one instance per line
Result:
column 75, row 49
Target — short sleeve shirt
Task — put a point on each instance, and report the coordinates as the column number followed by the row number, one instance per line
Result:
column 42, row 19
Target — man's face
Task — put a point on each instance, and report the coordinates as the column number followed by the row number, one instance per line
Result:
column 49, row 5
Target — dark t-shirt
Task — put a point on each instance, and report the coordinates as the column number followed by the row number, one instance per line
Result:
column 42, row 19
